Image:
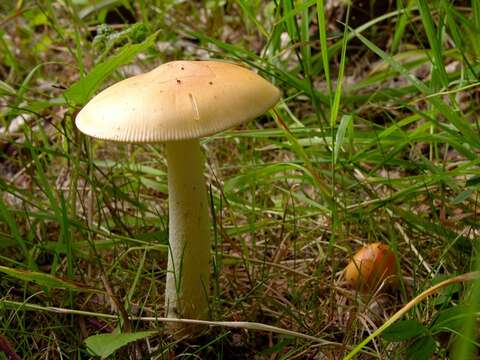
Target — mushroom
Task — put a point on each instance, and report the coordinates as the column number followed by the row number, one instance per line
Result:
column 370, row 266
column 177, row 103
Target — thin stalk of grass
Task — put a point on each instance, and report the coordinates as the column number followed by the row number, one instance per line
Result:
column 402, row 23
column 254, row 326
column 322, row 31
column 251, row 14
column 435, row 40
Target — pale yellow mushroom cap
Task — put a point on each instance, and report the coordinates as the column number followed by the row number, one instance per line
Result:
column 176, row 101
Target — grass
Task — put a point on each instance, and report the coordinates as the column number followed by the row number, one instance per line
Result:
column 375, row 139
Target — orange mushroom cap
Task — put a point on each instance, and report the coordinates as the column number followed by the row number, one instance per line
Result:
column 370, row 266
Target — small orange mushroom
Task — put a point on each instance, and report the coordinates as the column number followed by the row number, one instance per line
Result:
column 370, row 266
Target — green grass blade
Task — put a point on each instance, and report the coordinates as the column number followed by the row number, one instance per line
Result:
column 345, row 123
column 435, row 41
column 81, row 91
column 322, row 30
column 458, row 121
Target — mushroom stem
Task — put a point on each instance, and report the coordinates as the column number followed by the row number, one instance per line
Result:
column 188, row 273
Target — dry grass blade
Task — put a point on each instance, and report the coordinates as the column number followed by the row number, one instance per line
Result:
column 229, row 324
column 407, row 307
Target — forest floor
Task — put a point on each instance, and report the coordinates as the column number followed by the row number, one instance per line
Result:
column 375, row 139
